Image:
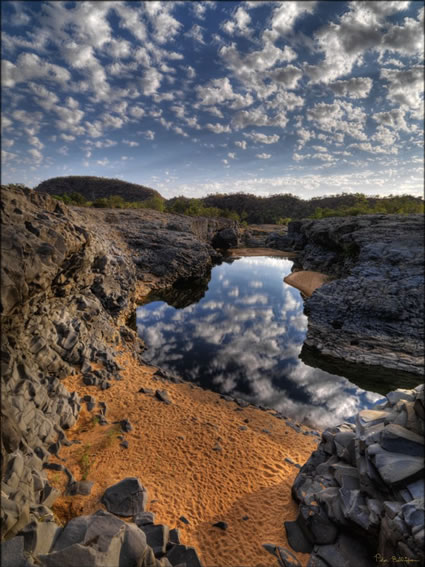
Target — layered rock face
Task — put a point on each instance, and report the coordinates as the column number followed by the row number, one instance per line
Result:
column 361, row 493
column 373, row 310
column 70, row 279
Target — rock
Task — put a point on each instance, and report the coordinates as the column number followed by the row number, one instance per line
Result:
column 124, row 444
column 184, row 555
column 125, row 425
column 156, row 537
column 148, row 391
column 413, row 513
column 162, row 396
column 284, row 556
column 39, row 537
column 12, row 552
column 126, row 498
column 144, row 518
column 174, row 536
column 100, row 539
column 382, row 313
column 296, row 538
column 226, row 238
column 397, row 439
column 395, row 467
column 222, row 525
column 82, row 487
column 184, row 520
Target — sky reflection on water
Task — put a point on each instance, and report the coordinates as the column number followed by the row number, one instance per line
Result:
column 243, row 338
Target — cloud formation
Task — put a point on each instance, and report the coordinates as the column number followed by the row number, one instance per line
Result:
column 184, row 83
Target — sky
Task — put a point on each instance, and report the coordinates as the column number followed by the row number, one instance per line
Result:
column 192, row 98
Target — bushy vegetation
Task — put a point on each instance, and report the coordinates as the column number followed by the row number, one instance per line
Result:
column 93, row 188
column 245, row 208
column 281, row 208
column 179, row 205
column 403, row 205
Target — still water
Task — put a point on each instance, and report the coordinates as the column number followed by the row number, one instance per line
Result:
column 243, row 338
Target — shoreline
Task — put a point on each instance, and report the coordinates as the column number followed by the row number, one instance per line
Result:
column 241, row 252
column 200, row 456
column 306, row 281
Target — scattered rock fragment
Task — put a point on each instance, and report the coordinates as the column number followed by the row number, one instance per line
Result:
column 221, row 525
column 162, row 396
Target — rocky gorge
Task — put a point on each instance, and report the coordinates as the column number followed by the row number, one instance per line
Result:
column 71, row 278
column 371, row 310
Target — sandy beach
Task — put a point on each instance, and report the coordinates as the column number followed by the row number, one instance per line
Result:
column 306, row 281
column 201, row 457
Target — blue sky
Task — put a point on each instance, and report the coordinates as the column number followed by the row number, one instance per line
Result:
column 193, row 98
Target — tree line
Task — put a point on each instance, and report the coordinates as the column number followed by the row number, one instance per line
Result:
column 250, row 209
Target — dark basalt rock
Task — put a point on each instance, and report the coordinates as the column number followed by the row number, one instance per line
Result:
column 226, row 238
column 353, row 483
column 126, row 498
column 379, row 313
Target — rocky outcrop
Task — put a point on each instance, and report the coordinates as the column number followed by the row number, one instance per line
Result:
column 101, row 539
column 226, row 238
column 70, row 279
column 373, row 309
column 361, row 493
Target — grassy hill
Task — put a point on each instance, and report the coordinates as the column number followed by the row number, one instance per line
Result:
column 92, row 188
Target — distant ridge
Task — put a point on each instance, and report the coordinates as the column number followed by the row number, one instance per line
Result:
column 96, row 188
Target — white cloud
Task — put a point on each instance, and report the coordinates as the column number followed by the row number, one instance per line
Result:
column 196, row 33
column 149, row 134
column 231, row 155
column 136, row 111
column 287, row 13
column 165, row 26
column 262, row 138
column 218, row 91
column 405, row 87
column 191, row 73
column 359, row 28
column 263, row 156
column 67, row 137
column 36, row 155
column 130, row 143
column 356, row 87
column 30, row 66
column 218, row 128
column 407, row 39
column 241, row 144
column 288, row 76
column 239, row 24
column 339, row 116
column 151, row 81
column 131, row 19
column 394, row 118
column 7, row 156
column 258, row 117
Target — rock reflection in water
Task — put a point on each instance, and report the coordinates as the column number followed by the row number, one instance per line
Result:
column 243, row 338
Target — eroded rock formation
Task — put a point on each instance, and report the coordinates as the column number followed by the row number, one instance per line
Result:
column 365, row 483
column 70, row 279
column 373, row 309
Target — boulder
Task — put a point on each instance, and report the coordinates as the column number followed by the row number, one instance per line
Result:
column 226, row 238
column 126, row 498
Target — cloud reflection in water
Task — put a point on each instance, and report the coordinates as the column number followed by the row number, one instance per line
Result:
column 243, row 338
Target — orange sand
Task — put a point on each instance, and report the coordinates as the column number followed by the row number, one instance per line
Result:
column 237, row 252
column 306, row 281
column 171, row 452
